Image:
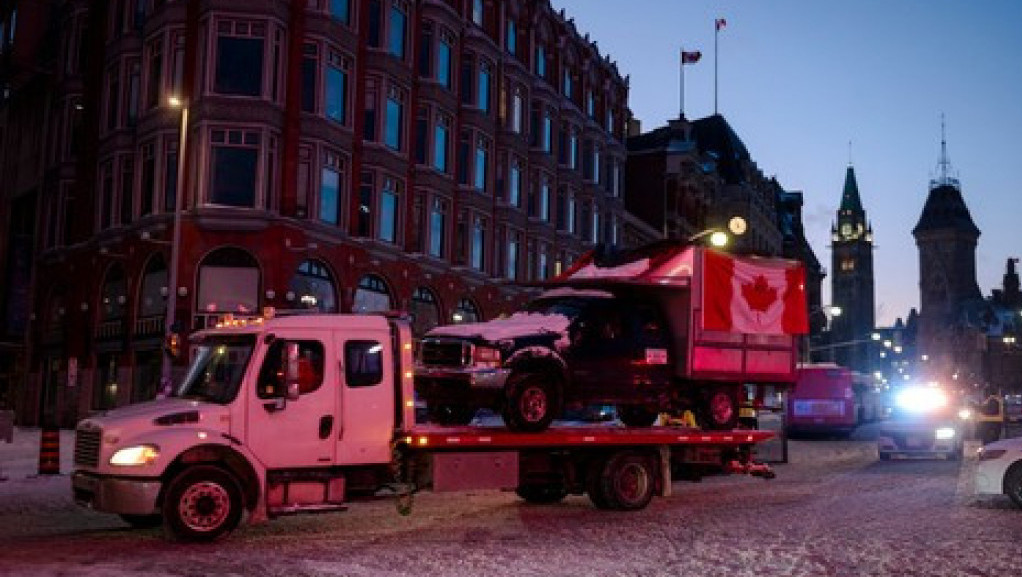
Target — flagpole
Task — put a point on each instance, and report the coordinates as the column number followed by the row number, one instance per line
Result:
column 716, row 33
column 681, row 55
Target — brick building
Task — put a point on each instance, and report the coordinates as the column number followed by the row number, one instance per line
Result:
column 340, row 155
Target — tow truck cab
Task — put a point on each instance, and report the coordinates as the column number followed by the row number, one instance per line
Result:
column 272, row 417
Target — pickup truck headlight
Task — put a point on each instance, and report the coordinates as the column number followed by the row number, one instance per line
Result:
column 135, row 456
column 944, row 433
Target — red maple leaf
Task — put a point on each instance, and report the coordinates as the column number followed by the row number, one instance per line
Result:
column 759, row 294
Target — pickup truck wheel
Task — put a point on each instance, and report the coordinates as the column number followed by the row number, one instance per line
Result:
column 531, row 402
column 633, row 416
column 143, row 521
column 1013, row 483
column 627, row 481
column 451, row 414
column 202, row 503
column 542, row 493
column 720, row 408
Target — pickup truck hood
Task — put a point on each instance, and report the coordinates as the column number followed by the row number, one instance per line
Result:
column 516, row 326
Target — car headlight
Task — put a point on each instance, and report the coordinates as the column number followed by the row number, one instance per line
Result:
column 135, row 456
column 965, row 414
column 944, row 433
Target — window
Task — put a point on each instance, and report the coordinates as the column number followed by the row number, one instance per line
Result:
column 421, row 134
column 148, row 189
column 170, row 167
column 441, row 142
column 573, row 150
column 615, row 178
column 375, row 22
column 363, row 363
column 595, row 231
column 105, row 392
column 271, row 383
column 513, row 244
column 571, row 214
column 443, row 59
column 335, row 100
column 541, row 61
column 484, row 88
column 235, row 159
column 567, row 86
column 113, row 77
column 482, row 159
column 466, row 312
column 547, row 131
column 512, row 37
column 366, row 195
column 544, row 199
column 397, row 29
column 590, row 104
column 542, row 263
column 389, row 210
column 516, row 110
column 369, row 115
column 127, row 189
column 154, row 74
column 426, row 50
column 478, row 244
column 106, row 191
column 610, row 121
column 438, row 228
column 596, row 164
column 312, row 288
column 394, row 119
column 464, row 144
column 468, row 85
column 239, row 58
column 310, row 66
column 340, row 10
column 514, row 184
column 425, row 311
column 134, row 95
column 330, row 188
column 477, row 12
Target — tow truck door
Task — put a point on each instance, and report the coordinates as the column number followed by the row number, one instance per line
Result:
column 367, row 372
column 299, row 432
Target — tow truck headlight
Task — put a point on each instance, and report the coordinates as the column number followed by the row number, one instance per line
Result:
column 486, row 357
column 135, row 456
column 944, row 433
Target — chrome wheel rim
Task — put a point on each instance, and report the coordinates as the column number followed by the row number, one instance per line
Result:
column 533, row 404
column 632, row 482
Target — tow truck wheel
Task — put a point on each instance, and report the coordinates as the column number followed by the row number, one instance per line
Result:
column 451, row 414
column 636, row 416
column 626, row 482
column 720, row 408
column 202, row 503
column 542, row 493
column 1013, row 483
column 143, row 521
column 531, row 402
column 594, row 488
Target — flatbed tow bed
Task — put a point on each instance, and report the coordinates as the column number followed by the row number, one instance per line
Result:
column 619, row 468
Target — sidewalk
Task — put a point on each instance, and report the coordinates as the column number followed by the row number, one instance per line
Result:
column 20, row 459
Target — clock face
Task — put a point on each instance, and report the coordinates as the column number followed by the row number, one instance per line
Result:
column 846, row 230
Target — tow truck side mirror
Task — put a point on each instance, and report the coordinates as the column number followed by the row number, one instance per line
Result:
column 291, row 385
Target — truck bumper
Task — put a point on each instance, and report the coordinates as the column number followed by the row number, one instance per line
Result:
column 121, row 495
column 479, row 388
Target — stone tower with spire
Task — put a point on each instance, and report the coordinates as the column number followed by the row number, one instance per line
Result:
column 852, row 280
column 946, row 237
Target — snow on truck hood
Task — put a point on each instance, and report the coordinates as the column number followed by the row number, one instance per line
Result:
column 517, row 325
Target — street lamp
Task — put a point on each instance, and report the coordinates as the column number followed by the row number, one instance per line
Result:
column 718, row 237
column 175, row 243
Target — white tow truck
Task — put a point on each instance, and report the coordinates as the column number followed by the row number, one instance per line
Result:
column 306, row 413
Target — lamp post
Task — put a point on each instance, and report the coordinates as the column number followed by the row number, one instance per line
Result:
column 175, row 243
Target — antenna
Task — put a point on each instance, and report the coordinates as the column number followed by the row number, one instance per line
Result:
column 849, row 153
column 947, row 177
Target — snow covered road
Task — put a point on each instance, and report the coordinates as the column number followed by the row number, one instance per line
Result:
column 833, row 510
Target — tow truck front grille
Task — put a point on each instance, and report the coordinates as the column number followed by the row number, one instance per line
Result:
column 445, row 353
column 87, row 447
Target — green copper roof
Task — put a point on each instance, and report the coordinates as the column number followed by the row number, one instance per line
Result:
column 850, row 197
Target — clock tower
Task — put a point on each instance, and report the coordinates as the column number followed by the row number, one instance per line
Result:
column 852, row 281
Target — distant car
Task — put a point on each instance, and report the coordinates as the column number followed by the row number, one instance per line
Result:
column 923, row 423
column 999, row 471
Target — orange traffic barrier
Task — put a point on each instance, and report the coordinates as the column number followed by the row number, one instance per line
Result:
column 49, row 451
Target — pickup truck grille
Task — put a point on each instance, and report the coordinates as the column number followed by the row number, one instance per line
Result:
column 445, row 353
column 87, row 447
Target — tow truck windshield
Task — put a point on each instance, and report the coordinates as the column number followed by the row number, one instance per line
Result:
column 217, row 369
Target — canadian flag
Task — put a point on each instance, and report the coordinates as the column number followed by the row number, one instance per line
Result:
column 753, row 295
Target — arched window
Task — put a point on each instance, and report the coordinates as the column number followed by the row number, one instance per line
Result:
column 152, row 300
column 312, row 288
column 425, row 311
column 372, row 295
column 228, row 282
column 114, row 295
column 466, row 312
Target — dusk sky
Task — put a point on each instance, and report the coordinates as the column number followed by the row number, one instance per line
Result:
column 799, row 79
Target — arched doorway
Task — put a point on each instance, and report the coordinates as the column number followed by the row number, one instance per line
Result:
column 425, row 310
column 312, row 288
column 228, row 283
column 372, row 295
